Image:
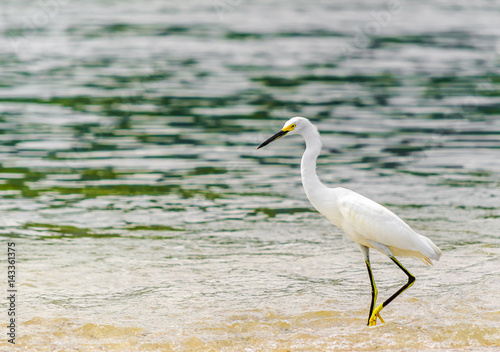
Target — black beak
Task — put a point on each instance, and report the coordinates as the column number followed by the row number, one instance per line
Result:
column 273, row 138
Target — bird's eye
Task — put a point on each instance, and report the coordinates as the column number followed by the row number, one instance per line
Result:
column 293, row 125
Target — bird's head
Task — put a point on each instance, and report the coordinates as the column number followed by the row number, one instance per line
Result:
column 292, row 126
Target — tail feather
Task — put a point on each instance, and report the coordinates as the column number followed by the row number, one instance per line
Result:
column 429, row 250
column 423, row 249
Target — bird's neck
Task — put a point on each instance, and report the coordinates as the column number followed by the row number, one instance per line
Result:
column 310, row 180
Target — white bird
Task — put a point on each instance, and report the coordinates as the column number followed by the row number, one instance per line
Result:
column 366, row 222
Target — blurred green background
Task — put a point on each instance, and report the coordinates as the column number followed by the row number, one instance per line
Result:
column 129, row 172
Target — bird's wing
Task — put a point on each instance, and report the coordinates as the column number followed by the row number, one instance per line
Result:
column 366, row 218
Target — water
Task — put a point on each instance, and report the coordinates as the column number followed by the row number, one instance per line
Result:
column 145, row 219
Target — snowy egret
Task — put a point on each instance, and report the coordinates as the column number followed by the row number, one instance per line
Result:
column 366, row 222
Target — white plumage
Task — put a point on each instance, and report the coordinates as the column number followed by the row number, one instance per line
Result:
column 376, row 226
column 366, row 222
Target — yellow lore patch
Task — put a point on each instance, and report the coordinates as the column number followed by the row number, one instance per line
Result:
column 288, row 128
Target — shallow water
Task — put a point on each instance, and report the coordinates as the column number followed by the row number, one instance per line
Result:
column 145, row 219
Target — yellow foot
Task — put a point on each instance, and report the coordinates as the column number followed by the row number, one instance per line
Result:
column 373, row 319
column 375, row 314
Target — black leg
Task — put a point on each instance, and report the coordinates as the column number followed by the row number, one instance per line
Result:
column 411, row 279
column 374, row 289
